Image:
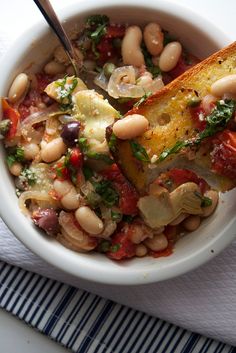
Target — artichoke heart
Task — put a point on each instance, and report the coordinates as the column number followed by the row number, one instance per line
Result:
column 95, row 113
column 161, row 209
column 185, row 198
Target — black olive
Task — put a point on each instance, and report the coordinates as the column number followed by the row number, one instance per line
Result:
column 47, row 220
column 70, row 133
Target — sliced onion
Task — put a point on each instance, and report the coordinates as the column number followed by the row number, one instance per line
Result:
column 117, row 87
column 101, row 81
column 32, row 195
column 27, row 129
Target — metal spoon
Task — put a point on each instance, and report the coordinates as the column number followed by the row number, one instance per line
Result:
column 50, row 16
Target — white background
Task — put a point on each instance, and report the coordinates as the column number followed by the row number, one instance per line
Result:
column 15, row 17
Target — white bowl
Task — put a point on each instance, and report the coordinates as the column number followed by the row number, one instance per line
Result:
column 215, row 233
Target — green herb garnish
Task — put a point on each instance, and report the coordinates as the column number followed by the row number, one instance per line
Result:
column 29, row 176
column 139, row 151
column 205, row 201
column 193, row 102
column 100, row 156
column 108, row 194
column 83, row 144
column 15, row 155
column 88, row 173
column 155, row 70
column 96, row 30
column 142, row 99
column 114, row 248
column 65, row 92
column 116, row 216
column 215, row 122
column 104, row 246
column 112, row 142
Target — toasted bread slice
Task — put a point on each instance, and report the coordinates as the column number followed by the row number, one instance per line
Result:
column 171, row 104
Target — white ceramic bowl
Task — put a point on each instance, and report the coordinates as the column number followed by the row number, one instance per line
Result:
column 32, row 49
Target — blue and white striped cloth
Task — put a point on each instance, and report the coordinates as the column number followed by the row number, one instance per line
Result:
column 86, row 323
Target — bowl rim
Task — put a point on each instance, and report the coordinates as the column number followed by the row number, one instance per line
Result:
column 85, row 269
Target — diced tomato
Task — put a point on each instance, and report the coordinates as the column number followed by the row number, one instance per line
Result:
column 106, row 50
column 182, row 176
column 163, row 253
column 59, row 171
column 121, row 247
column 198, row 116
column 13, row 115
column 185, row 62
column 223, row 156
column 42, row 81
column 115, row 31
column 128, row 195
column 76, row 158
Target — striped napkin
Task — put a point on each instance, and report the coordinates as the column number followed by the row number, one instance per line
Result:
column 86, row 323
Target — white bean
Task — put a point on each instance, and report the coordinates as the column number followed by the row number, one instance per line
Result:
column 18, row 88
column 31, row 150
column 53, row 150
column 170, row 56
column 140, row 250
column 192, row 223
column 62, row 187
column 88, row 220
column 54, row 68
column 130, row 47
column 71, row 200
column 16, row 168
column 153, row 38
column 224, row 85
column 214, row 196
column 157, row 243
column 61, row 56
column 131, row 126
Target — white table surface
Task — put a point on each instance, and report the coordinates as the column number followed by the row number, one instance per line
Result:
column 15, row 17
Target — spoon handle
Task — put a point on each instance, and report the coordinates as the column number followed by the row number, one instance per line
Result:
column 50, row 16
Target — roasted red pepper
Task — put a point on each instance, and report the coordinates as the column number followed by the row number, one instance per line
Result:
column 223, row 155
column 121, row 247
column 128, row 195
column 13, row 115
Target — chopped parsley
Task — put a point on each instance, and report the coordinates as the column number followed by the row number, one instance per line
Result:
column 108, row 194
column 96, row 25
column 142, row 99
column 88, row 172
column 205, row 201
column 15, row 155
column 29, row 176
column 104, row 246
column 155, row 70
column 116, row 216
column 215, row 122
column 64, row 92
column 114, row 248
column 84, row 147
column 100, row 156
column 112, row 142
column 139, row 151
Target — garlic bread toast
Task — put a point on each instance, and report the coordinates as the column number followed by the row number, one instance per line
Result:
column 174, row 138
